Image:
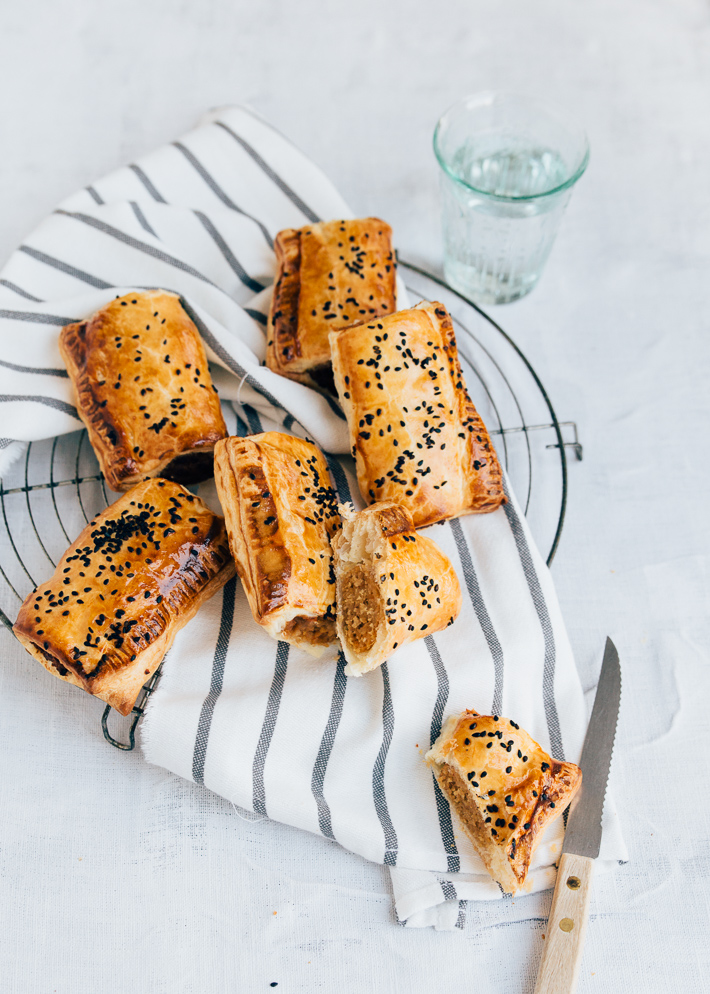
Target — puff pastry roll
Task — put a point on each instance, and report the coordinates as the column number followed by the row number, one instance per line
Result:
column 504, row 787
column 415, row 434
column 394, row 586
column 281, row 512
column 329, row 275
column 143, row 390
column 135, row 575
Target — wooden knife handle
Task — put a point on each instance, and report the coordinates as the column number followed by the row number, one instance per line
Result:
column 566, row 926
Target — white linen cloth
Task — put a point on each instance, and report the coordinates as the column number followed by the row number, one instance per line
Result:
column 261, row 723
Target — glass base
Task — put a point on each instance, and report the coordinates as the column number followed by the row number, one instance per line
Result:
column 488, row 288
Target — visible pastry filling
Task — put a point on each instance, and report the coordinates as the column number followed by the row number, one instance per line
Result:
column 315, row 631
column 491, row 852
column 323, row 376
column 191, row 467
column 360, row 607
column 53, row 661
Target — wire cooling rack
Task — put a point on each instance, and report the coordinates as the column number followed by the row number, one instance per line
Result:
column 49, row 496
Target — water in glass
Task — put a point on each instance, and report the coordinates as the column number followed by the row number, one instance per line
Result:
column 496, row 249
column 508, row 166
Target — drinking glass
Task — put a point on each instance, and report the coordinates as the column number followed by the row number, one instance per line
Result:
column 508, row 166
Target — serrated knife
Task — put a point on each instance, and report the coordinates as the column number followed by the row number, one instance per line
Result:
column 567, row 923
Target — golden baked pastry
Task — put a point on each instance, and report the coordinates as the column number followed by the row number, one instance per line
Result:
column 281, row 512
column 415, row 434
column 504, row 787
column 329, row 275
column 121, row 592
column 143, row 390
column 394, row 586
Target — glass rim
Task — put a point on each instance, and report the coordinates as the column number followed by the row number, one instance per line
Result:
column 506, row 198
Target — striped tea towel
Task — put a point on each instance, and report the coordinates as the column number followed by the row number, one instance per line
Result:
column 262, row 723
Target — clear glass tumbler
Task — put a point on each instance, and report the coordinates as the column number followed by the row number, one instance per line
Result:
column 508, row 166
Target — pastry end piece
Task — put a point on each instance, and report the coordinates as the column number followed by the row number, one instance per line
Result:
column 504, row 787
column 393, row 585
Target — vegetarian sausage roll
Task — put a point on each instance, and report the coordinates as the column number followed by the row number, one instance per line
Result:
column 394, row 586
column 415, row 434
column 329, row 275
column 504, row 787
column 281, row 513
column 133, row 578
column 143, row 390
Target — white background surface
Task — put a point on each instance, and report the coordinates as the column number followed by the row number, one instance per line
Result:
column 118, row 877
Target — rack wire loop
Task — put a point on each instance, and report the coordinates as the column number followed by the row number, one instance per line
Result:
column 127, row 746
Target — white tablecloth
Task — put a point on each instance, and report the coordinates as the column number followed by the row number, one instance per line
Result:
column 119, row 877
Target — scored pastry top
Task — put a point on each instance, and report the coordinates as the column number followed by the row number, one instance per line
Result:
column 415, row 434
column 143, row 386
column 330, row 275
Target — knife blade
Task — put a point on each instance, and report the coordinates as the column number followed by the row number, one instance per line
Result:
column 566, row 926
column 584, row 823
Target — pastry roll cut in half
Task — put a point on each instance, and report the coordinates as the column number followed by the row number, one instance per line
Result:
column 504, row 787
column 394, row 586
column 281, row 513
column 415, row 434
column 133, row 578
column 329, row 275
column 143, row 390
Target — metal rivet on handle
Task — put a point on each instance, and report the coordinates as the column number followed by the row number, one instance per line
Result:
column 566, row 924
column 574, row 883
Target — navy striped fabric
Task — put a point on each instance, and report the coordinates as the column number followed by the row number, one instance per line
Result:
column 259, row 722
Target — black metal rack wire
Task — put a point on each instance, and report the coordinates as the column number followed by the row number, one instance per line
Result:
column 47, row 498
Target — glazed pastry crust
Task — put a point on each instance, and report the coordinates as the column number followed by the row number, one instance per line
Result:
column 414, row 431
column 281, row 512
column 505, row 795
column 330, row 275
column 143, row 390
column 394, row 586
column 133, row 578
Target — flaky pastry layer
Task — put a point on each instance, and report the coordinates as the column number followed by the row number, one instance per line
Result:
column 415, row 434
column 143, row 389
column 394, row 586
column 330, row 275
column 132, row 579
column 504, row 787
column 281, row 512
